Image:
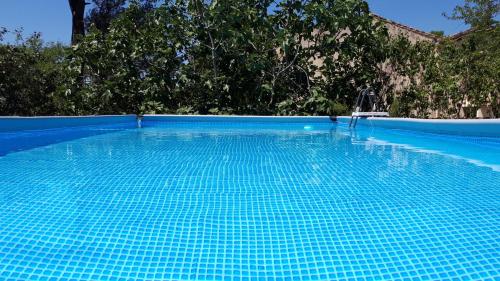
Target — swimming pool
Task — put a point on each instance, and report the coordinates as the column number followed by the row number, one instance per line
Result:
column 292, row 199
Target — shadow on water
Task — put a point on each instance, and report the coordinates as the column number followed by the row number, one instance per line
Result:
column 18, row 141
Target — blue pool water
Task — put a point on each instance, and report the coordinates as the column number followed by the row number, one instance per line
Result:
column 253, row 201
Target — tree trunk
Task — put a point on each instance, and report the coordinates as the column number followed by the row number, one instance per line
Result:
column 77, row 12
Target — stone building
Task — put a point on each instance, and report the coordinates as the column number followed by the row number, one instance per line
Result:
column 398, row 29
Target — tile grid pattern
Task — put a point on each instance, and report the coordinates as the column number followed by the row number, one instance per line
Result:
column 219, row 202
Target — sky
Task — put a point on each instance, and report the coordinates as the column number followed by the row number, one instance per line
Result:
column 53, row 18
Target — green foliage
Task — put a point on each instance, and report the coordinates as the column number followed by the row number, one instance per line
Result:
column 447, row 76
column 477, row 13
column 478, row 59
column 130, row 69
column 102, row 12
column 30, row 76
column 316, row 104
column 438, row 33
column 306, row 57
column 227, row 57
column 230, row 52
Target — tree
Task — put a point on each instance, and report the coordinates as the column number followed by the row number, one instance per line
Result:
column 306, row 57
column 477, row 13
column 452, row 77
column 438, row 33
column 102, row 12
column 230, row 51
column 477, row 55
column 31, row 73
column 132, row 67
column 244, row 60
column 78, row 26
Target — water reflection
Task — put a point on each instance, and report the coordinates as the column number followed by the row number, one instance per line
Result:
column 483, row 152
column 24, row 140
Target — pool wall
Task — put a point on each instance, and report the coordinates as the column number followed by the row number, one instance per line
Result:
column 238, row 118
column 470, row 127
column 466, row 127
column 12, row 124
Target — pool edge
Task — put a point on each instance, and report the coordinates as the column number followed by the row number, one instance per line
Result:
column 20, row 123
column 238, row 118
column 462, row 127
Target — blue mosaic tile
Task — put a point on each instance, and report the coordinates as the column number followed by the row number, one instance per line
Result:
column 184, row 201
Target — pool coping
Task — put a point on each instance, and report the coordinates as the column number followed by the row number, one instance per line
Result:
column 463, row 127
column 66, row 116
column 419, row 120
